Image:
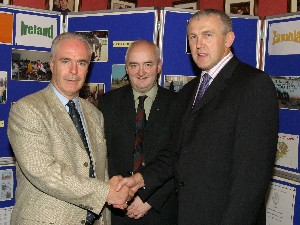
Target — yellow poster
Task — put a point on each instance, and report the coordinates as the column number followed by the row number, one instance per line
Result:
column 6, row 28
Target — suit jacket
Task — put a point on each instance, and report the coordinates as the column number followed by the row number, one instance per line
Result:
column 119, row 115
column 224, row 150
column 54, row 186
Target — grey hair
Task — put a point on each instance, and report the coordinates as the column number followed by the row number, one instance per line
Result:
column 225, row 19
column 137, row 42
column 67, row 36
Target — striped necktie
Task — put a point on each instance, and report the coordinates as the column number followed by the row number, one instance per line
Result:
column 203, row 87
column 140, row 122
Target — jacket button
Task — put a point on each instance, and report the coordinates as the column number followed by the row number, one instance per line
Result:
column 86, row 164
column 130, row 173
column 82, row 222
column 181, row 184
column 176, row 153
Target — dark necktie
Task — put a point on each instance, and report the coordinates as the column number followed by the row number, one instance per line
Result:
column 203, row 86
column 74, row 114
column 140, row 122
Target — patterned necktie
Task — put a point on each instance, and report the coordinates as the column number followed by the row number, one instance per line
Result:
column 203, row 86
column 140, row 122
column 74, row 114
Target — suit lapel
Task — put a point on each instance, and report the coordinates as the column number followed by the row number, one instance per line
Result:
column 190, row 96
column 218, row 84
column 127, row 109
column 90, row 125
column 157, row 107
column 61, row 115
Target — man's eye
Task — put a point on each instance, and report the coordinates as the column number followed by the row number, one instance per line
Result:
column 64, row 61
column 82, row 63
column 133, row 66
column 191, row 37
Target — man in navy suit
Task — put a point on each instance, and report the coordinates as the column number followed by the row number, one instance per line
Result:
column 119, row 108
column 224, row 143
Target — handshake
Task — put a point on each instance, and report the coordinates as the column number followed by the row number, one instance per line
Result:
column 122, row 190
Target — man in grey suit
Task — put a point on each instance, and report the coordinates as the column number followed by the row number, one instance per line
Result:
column 53, row 164
column 119, row 108
column 225, row 141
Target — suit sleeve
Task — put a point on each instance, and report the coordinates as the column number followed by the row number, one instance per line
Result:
column 157, row 172
column 254, row 152
column 158, row 199
column 40, row 156
column 104, row 108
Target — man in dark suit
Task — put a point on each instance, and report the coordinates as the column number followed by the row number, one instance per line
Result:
column 225, row 143
column 119, row 107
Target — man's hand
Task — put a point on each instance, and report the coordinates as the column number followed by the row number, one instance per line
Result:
column 135, row 182
column 138, row 208
column 118, row 198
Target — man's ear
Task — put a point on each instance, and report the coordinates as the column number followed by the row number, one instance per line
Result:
column 229, row 39
column 159, row 67
column 51, row 64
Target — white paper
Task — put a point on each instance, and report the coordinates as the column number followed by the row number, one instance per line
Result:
column 6, row 184
column 284, row 38
column 35, row 30
column 5, row 214
column 287, row 150
column 280, row 205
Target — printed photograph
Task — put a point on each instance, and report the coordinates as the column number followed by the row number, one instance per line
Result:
column 288, row 91
column 6, row 2
column 63, row 6
column 3, row 87
column 7, row 184
column 119, row 4
column 186, row 4
column 30, row 65
column 241, row 7
column 119, row 77
column 92, row 92
column 287, row 150
column 99, row 40
column 176, row 82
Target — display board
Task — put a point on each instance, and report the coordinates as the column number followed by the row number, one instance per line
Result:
column 281, row 56
column 115, row 29
column 25, row 38
column 175, row 51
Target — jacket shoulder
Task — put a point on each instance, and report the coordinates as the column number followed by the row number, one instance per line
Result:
column 167, row 93
column 116, row 93
column 246, row 71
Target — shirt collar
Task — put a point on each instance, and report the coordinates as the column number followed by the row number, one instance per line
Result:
column 62, row 98
column 213, row 72
column 150, row 94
